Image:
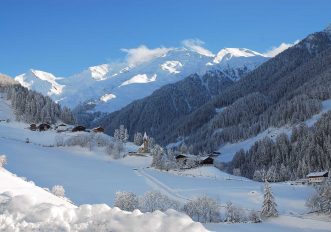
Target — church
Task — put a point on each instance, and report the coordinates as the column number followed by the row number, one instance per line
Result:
column 144, row 147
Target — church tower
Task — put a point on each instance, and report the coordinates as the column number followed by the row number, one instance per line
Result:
column 145, row 139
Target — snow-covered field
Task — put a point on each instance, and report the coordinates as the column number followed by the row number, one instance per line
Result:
column 92, row 177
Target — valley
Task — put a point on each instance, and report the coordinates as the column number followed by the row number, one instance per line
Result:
column 92, row 177
column 165, row 116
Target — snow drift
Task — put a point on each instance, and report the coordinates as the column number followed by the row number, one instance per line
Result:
column 21, row 213
column 27, row 207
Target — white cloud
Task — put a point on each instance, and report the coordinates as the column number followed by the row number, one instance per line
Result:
column 142, row 54
column 274, row 51
column 196, row 45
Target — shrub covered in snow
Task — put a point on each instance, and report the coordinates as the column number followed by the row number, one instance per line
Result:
column 126, row 201
column 115, row 149
column 82, row 140
column 58, row 190
column 203, row 209
column 254, row 216
column 234, row 214
column 155, row 200
column 320, row 201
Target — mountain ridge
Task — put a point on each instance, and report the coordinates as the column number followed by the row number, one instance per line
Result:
column 129, row 82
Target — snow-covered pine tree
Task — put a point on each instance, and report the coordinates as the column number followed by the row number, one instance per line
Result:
column 125, row 136
column 157, row 154
column 138, row 139
column 117, row 135
column 269, row 205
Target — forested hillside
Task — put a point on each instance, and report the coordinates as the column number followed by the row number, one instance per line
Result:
column 167, row 105
column 307, row 150
column 287, row 89
column 32, row 107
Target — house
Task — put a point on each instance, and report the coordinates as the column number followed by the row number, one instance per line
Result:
column 207, row 160
column 61, row 128
column 44, row 127
column 317, row 177
column 33, row 127
column 98, row 130
column 78, row 128
column 181, row 157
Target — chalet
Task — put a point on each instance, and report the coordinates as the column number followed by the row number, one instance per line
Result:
column 78, row 128
column 207, row 160
column 318, row 177
column 181, row 157
column 33, row 127
column 44, row 127
column 61, row 128
column 98, row 130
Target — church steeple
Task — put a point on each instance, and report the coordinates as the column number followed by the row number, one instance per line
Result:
column 145, row 142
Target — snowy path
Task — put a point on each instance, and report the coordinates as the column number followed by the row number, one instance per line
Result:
column 161, row 186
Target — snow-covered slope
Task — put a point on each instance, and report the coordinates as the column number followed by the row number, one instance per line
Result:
column 27, row 207
column 43, row 82
column 112, row 86
column 16, row 186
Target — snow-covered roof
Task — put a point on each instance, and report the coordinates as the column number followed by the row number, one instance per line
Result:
column 203, row 157
column 317, row 174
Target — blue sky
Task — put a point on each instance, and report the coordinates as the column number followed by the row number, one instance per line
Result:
column 66, row 36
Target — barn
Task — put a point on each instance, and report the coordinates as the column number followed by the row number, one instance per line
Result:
column 33, row 127
column 78, row 128
column 207, row 160
column 44, row 127
column 318, row 177
column 98, row 130
column 181, row 157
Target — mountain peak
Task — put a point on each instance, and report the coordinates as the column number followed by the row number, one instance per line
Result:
column 228, row 53
column 45, row 82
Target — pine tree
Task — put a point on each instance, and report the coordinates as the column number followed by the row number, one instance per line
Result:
column 269, row 204
column 138, row 138
column 117, row 136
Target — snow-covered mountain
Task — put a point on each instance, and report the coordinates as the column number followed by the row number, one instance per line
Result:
column 43, row 82
column 109, row 87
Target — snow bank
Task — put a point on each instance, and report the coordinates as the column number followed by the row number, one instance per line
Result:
column 13, row 185
column 21, row 213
